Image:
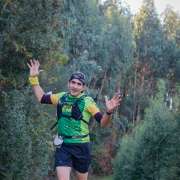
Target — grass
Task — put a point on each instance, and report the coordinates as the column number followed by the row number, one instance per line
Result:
column 101, row 178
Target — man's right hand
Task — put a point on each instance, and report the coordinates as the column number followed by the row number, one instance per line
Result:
column 34, row 67
column 34, row 72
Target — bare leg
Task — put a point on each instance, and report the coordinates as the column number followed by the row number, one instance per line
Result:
column 82, row 176
column 63, row 172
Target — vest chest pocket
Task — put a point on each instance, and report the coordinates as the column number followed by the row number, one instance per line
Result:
column 67, row 108
column 71, row 109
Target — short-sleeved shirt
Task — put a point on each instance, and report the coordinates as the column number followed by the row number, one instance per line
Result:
column 70, row 127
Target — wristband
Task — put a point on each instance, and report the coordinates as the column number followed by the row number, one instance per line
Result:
column 34, row 80
column 108, row 113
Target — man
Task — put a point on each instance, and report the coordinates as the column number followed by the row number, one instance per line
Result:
column 74, row 109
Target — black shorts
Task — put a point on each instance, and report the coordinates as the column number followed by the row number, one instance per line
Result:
column 76, row 156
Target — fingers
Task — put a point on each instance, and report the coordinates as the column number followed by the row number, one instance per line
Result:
column 106, row 99
column 33, row 62
column 117, row 104
column 117, row 97
column 116, row 101
column 36, row 62
column 29, row 65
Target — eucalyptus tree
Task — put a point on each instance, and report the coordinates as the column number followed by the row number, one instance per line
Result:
column 27, row 31
column 117, row 45
column 114, row 54
column 171, row 22
column 171, row 27
column 149, row 63
column 151, row 150
column 149, row 37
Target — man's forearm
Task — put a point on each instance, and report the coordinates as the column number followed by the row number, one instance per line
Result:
column 38, row 91
column 105, row 120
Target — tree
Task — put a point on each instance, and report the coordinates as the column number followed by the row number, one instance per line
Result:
column 149, row 37
column 149, row 63
column 171, row 27
column 27, row 31
column 150, row 151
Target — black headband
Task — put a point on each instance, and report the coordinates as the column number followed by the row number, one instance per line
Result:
column 78, row 75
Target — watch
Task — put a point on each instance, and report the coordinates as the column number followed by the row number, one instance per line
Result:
column 108, row 113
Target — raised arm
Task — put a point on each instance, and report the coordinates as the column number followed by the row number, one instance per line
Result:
column 111, row 105
column 33, row 78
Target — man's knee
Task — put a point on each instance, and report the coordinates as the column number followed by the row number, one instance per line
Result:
column 63, row 172
column 82, row 176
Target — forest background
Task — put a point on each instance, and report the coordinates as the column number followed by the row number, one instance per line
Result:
column 139, row 54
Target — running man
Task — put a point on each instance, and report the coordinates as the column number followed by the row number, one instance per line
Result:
column 74, row 110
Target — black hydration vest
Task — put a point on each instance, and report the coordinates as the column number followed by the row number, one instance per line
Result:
column 76, row 112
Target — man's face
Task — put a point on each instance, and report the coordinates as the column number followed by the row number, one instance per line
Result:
column 75, row 87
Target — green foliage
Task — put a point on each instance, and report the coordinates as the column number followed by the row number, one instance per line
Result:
column 149, row 36
column 151, row 151
column 171, row 23
column 60, row 58
column 14, row 137
column 27, row 31
column 25, row 136
column 96, row 39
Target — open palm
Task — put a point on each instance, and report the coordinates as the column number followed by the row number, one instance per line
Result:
column 34, row 67
column 113, row 103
